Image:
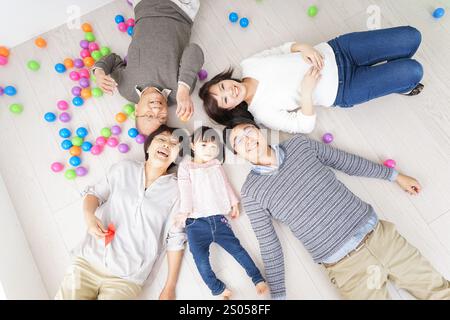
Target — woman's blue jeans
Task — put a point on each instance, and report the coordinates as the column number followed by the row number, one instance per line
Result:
column 376, row 63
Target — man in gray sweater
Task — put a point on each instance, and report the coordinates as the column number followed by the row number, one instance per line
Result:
column 292, row 182
column 162, row 65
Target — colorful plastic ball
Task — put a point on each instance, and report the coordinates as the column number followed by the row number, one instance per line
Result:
column 3, row 60
column 84, row 83
column 76, row 91
column 123, row 148
column 77, row 141
column 75, row 161
column 33, row 65
column 121, row 117
column 89, row 61
column 119, row 18
column 130, row 30
column 85, row 53
column 312, row 11
column 97, row 92
column 75, row 151
column 96, row 150
column 81, row 171
column 130, row 2
column 86, row 146
column 244, row 22
column 116, row 130
column 125, row 59
column 97, row 55
column 2, row 91
column 112, row 142
column 10, row 91
column 439, row 13
column 202, row 74
column 57, row 166
column 327, row 138
column 60, row 68
column 86, row 93
column 140, row 138
column 77, row 101
column 84, row 44
column 40, row 42
column 105, row 51
column 100, row 141
column 233, row 17
column 16, row 108
column 75, row 76
column 64, row 133
column 122, row 27
column 78, row 63
column 50, row 117
column 133, row 132
column 4, row 51
column 82, row 132
column 130, row 22
column 84, row 73
column 86, row 27
column 106, row 132
column 62, row 105
column 128, row 109
column 70, row 174
column 390, row 163
column 66, row 144
column 64, row 117
column 68, row 63
column 89, row 36
column 93, row 46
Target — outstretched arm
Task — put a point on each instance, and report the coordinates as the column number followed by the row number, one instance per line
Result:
column 174, row 259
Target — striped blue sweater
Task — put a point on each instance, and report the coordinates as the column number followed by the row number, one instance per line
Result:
column 305, row 194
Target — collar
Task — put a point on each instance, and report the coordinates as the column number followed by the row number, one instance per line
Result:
column 279, row 155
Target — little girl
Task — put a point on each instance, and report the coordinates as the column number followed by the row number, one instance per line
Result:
column 206, row 197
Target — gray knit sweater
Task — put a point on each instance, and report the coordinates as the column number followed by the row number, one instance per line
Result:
column 159, row 54
column 305, row 194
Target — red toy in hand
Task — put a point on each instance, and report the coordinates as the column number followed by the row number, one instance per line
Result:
column 110, row 235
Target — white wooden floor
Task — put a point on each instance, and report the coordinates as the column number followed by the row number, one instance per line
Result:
column 413, row 130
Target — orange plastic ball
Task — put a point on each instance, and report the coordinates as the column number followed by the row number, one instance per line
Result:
column 4, row 51
column 121, row 117
column 68, row 63
column 86, row 93
column 86, row 27
column 40, row 42
column 89, row 61
column 75, row 151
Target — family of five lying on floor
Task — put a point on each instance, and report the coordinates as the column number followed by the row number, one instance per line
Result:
column 155, row 212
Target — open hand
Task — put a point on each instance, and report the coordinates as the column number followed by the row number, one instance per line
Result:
column 312, row 56
column 185, row 106
column 95, row 227
column 235, row 212
column 105, row 82
column 408, row 184
column 310, row 80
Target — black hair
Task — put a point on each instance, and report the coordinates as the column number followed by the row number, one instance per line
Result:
column 207, row 134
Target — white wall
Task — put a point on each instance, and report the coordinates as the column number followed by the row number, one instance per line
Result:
column 19, row 276
column 21, row 20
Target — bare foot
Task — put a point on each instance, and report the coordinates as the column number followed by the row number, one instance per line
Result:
column 226, row 294
column 261, row 288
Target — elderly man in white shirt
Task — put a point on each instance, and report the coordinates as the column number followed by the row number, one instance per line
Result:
column 136, row 201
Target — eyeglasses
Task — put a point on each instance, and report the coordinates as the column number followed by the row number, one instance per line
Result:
column 247, row 132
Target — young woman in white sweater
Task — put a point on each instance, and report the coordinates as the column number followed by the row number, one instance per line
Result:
column 280, row 87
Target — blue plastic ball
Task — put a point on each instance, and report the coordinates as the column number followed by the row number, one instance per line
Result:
column 244, row 22
column 75, row 161
column 82, row 132
column 233, row 17
column 130, row 30
column 60, row 68
column 77, row 101
column 64, row 133
column 66, row 144
column 119, row 18
column 439, row 13
column 86, row 146
column 133, row 132
column 50, row 117
column 10, row 91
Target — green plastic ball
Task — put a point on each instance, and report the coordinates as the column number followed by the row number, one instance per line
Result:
column 77, row 141
column 92, row 77
column 105, row 51
column 106, row 132
column 16, row 108
column 89, row 36
column 96, row 55
column 70, row 174
column 128, row 109
column 96, row 92
column 33, row 65
column 312, row 11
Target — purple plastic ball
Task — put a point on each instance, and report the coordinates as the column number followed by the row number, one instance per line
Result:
column 1, row 91
column 125, row 59
column 327, row 138
column 123, row 148
column 81, row 171
column 116, row 130
column 64, row 117
column 78, row 63
column 76, row 91
column 202, row 74
column 84, row 83
column 84, row 44
column 140, row 139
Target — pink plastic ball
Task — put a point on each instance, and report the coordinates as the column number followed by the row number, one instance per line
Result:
column 85, row 53
column 101, row 141
column 64, row 117
column 116, row 130
column 390, row 163
column 81, row 171
column 130, row 22
column 3, row 60
column 123, row 148
column 93, row 46
column 84, row 73
column 75, row 76
column 62, row 105
column 57, row 166
column 140, row 138
column 112, row 142
column 122, row 26
column 96, row 150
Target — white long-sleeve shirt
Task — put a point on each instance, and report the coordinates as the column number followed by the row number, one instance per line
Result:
column 279, row 73
column 142, row 219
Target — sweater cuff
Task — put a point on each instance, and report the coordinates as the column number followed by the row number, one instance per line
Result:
column 286, row 48
column 393, row 176
column 278, row 296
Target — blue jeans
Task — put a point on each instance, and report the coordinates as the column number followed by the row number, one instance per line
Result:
column 360, row 80
column 201, row 233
